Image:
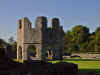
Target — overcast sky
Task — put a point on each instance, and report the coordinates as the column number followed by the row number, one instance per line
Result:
column 70, row 12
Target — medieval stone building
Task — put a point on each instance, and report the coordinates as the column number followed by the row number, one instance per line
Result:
column 45, row 39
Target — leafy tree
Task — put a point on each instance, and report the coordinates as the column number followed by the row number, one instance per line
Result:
column 67, row 42
column 91, row 43
column 80, row 40
column 79, row 32
column 3, row 43
column 12, row 48
column 97, row 39
column 80, row 35
column 11, row 40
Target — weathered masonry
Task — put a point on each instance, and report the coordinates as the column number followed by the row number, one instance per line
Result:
column 45, row 39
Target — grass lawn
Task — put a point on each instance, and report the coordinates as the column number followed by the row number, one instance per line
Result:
column 84, row 64
column 20, row 61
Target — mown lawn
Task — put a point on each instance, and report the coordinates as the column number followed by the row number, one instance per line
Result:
column 20, row 61
column 84, row 64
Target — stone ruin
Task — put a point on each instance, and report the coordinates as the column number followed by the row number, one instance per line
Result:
column 47, row 41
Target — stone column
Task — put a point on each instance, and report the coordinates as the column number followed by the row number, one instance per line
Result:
column 38, row 53
column 57, row 54
column 19, row 52
column 24, row 52
column 54, row 53
column 43, row 57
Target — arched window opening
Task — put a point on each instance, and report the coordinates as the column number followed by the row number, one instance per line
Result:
column 20, row 24
column 29, row 25
column 32, row 51
column 48, row 54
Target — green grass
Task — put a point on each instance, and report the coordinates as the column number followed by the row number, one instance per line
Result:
column 84, row 64
column 20, row 61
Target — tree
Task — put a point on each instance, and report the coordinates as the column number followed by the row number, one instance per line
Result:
column 67, row 42
column 79, row 39
column 79, row 32
column 3, row 43
column 91, row 43
column 80, row 35
column 11, row 40
column 97, row 39
column 12, row 48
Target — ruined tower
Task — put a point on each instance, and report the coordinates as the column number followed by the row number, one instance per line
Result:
column 44, row 39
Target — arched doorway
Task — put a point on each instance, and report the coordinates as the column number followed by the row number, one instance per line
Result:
column 31, row 51
column 49, row 54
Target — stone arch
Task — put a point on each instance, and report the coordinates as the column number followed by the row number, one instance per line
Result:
column 48, row 51
column 20, row 24
column 31, row 49
column 49, row 54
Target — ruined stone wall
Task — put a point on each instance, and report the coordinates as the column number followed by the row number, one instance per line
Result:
column 42, row 37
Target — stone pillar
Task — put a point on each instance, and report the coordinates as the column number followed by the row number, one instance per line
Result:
column 43, row 57
column 24, row 52
column 57, row 55
column 38, row 53
column 19, row 52
column 54, row 53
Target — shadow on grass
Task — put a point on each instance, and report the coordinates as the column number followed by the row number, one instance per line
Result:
column 90, row 70
column 85, row 65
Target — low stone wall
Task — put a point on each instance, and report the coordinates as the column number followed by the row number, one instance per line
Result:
column 87, row 56
column 83, row 56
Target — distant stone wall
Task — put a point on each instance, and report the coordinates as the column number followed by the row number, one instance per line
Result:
column 82, row 56
column 87, row 56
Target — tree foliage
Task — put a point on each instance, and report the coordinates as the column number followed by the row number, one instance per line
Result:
column 79, row 39
column 11, row 40
column 79, row 32
column 3, row 43
column 97, row 39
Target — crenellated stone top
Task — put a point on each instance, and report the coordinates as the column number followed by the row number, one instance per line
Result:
column 40, row 22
